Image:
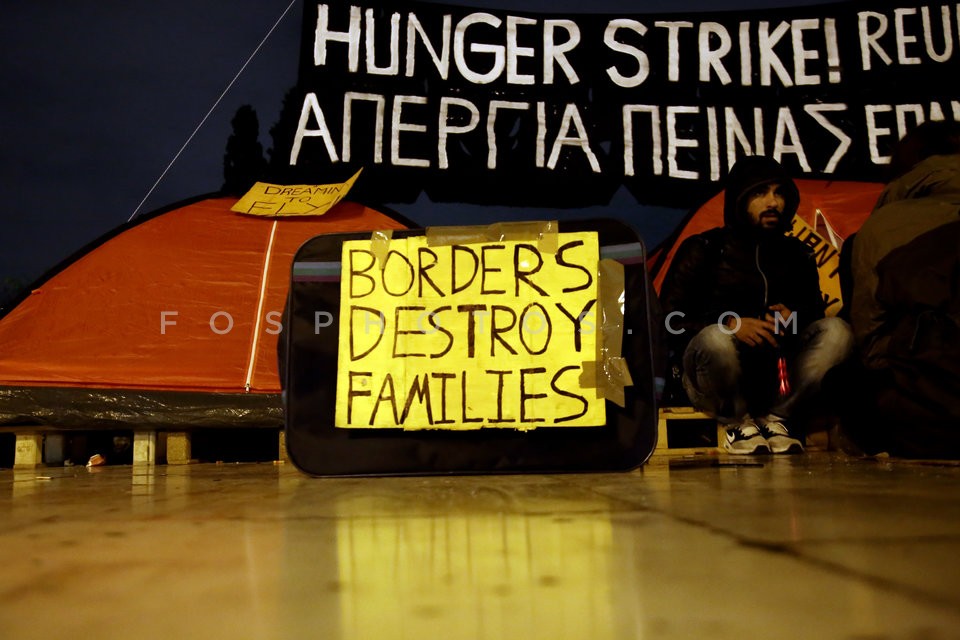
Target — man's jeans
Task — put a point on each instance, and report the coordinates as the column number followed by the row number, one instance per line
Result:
column 714, row 378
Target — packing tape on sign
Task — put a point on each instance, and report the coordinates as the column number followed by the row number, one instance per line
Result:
column 588, row 375
column 380, row 246
column 609, row 374
column 544, row 233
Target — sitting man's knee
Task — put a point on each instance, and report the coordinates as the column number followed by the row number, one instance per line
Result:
column 834, row 334
column 711, row 349
column 713, row 339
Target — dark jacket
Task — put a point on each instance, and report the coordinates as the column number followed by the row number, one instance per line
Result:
column 910, row 406
column 739, row 267
column 905, row 314
column 924, row 199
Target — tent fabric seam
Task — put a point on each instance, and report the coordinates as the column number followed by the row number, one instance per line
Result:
column 255, row 341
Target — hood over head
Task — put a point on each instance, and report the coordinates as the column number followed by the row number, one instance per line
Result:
column 934, row 178
column 746, row 175
column 932, row 138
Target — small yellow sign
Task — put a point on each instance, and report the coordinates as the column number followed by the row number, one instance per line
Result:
column 468, row 335
column 828, row 263
column 271, row 200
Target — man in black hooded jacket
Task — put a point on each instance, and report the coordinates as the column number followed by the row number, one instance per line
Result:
column 742, row 302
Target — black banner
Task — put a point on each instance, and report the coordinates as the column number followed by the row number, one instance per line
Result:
column 555, row 110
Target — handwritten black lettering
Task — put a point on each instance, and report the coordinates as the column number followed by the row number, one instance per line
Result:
column 577, row 321
column 354, row 393
column 562, row 261
column 522, row 274
column 404, row 277
column 574, row 396
column 456, row 250
column 524, row 396
column 387, row 394
column 471, row 311
column 423, row 268
column 485, row 268
column 398, row 332
column 496, row 328
column 443, row 377
column 438, row 326
column 357, row 255
column 463, row 401
column 375, row 329
column 499, row 419
column 420, row 392
column 534, row 320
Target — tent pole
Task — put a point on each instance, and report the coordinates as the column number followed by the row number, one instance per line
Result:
column 255, row 342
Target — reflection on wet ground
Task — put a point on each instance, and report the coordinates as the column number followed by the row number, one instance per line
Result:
column 820, row 545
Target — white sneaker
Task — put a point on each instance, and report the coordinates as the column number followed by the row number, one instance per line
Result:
column 778, row 436
column 745, row 438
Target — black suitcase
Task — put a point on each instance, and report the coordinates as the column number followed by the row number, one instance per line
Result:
column 424, row 386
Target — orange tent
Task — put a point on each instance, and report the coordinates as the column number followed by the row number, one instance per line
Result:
column 170, row 320
column 829, row 213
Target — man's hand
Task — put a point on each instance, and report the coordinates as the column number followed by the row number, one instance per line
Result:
column 753, row 331
column 785, row 314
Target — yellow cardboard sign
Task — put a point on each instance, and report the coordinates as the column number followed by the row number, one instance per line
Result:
column 828, row 263
column 468, row 336
column 270, row 200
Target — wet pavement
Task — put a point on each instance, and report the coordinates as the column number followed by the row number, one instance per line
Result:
column 814, row 546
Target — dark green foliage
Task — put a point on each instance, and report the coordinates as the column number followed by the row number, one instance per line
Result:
column 243, row 162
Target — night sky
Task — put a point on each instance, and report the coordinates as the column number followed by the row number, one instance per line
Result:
column 99, row 98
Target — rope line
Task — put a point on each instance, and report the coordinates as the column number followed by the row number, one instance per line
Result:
column 215, row 104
